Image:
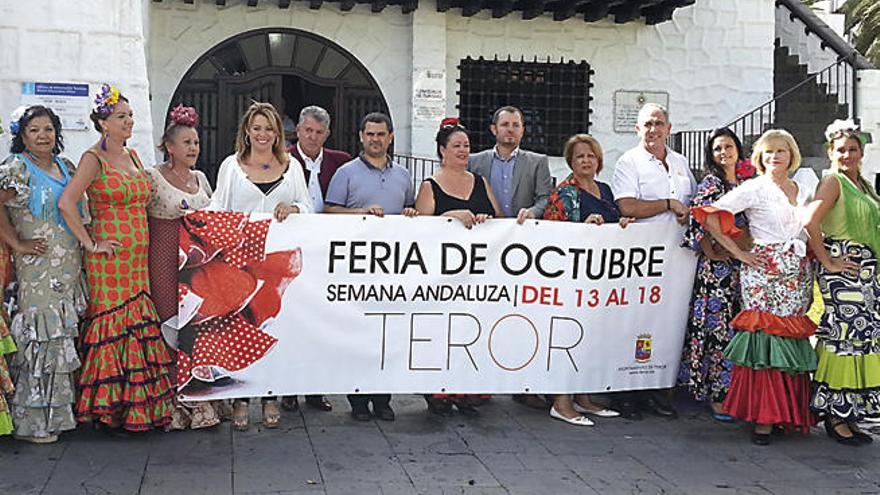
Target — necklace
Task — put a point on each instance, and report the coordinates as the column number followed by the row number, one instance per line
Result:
column 189, row 183
column 266, row 166
column 48, row 168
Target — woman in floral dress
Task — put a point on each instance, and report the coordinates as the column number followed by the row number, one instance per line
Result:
column 770, row 350
column 125, row 381
column 48, row 266
column 716, row 300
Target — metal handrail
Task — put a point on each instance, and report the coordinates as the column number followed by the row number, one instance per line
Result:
column 753, row 123
column 420, row 168
column 828, row 36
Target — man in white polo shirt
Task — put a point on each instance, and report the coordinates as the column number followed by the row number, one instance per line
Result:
column 652, row 183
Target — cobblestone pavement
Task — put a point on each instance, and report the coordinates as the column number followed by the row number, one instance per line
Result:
column 510, row 449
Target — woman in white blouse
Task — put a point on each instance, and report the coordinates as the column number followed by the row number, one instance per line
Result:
column 261, row 177
column 258, row 178
column 770, row 351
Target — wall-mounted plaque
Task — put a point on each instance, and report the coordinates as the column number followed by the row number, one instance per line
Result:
column 628, row 103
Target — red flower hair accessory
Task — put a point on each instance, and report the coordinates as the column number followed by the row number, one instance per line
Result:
column 182, row 115
column 450, row 122
column 745, row 169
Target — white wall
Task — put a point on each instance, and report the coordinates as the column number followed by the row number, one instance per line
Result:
column 180, row 34
column 869, row 113
column 87, row 41
column 715, row 59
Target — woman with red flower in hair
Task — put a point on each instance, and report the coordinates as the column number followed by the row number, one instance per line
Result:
column 454, row 192
column 715, row 300
column 770, row 350
column 125, row 378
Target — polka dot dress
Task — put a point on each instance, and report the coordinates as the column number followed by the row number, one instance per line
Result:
column 124, row 378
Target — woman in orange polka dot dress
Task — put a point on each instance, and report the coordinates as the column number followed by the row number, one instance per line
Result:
column 125, row 381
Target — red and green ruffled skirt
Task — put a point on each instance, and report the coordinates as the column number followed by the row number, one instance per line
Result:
column 772, row 360
column 125, row 377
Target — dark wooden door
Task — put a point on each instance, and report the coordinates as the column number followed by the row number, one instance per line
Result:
column 355, row 103
column 236, row 95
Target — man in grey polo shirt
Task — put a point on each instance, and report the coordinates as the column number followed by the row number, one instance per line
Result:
column 372, row 184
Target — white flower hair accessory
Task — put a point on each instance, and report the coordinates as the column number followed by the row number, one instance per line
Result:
column 15, row 118
column 839, row 126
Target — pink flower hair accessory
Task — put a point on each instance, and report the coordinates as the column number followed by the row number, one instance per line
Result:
column 182, row 115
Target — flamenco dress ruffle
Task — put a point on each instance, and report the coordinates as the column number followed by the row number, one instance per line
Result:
column 45, row 365
column 125, row 377
column 771, row 373
column 846, row 384
column 7, row 346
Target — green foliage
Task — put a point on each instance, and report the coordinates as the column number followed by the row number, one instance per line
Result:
column 863, row 22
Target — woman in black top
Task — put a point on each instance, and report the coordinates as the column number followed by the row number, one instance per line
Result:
column 455, row 192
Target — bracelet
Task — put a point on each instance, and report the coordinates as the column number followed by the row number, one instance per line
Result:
column 94, row 247
column 668, row 207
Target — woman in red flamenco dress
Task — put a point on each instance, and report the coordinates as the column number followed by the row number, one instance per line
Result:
column 125, row 381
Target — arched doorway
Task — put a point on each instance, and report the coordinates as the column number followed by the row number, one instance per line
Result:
column 289, row 68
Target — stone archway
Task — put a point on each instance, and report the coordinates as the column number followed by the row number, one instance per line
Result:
column 276, row 65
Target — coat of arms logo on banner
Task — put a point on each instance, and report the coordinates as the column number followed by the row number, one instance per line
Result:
column 643, row 348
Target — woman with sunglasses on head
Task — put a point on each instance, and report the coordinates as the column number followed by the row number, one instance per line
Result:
column 125, row 382
column 48, row 266
column 454, row 192
column 845, row 236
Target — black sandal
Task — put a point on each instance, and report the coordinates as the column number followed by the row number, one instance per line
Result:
column 831, row 429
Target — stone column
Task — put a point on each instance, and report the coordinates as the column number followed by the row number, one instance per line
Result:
column 428, row 79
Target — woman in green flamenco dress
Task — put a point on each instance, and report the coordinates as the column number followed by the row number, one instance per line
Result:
column 845, row 235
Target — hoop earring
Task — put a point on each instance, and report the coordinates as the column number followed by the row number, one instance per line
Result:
column 247, row 140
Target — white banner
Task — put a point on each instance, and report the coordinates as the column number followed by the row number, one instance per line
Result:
column 346, row 304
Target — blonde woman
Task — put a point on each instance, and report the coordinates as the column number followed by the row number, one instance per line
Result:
column 771, row 355
column 259, row 178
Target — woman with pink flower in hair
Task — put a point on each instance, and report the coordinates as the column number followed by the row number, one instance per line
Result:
column 125, row 379
column 176, row 187
column 716, row 299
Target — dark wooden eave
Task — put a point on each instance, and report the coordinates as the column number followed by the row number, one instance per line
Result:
column 621, row 11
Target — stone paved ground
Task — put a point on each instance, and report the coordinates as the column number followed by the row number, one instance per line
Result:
column 509, row 450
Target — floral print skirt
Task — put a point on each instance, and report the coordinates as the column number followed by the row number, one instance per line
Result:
column 771, row 354
column 715, row 302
